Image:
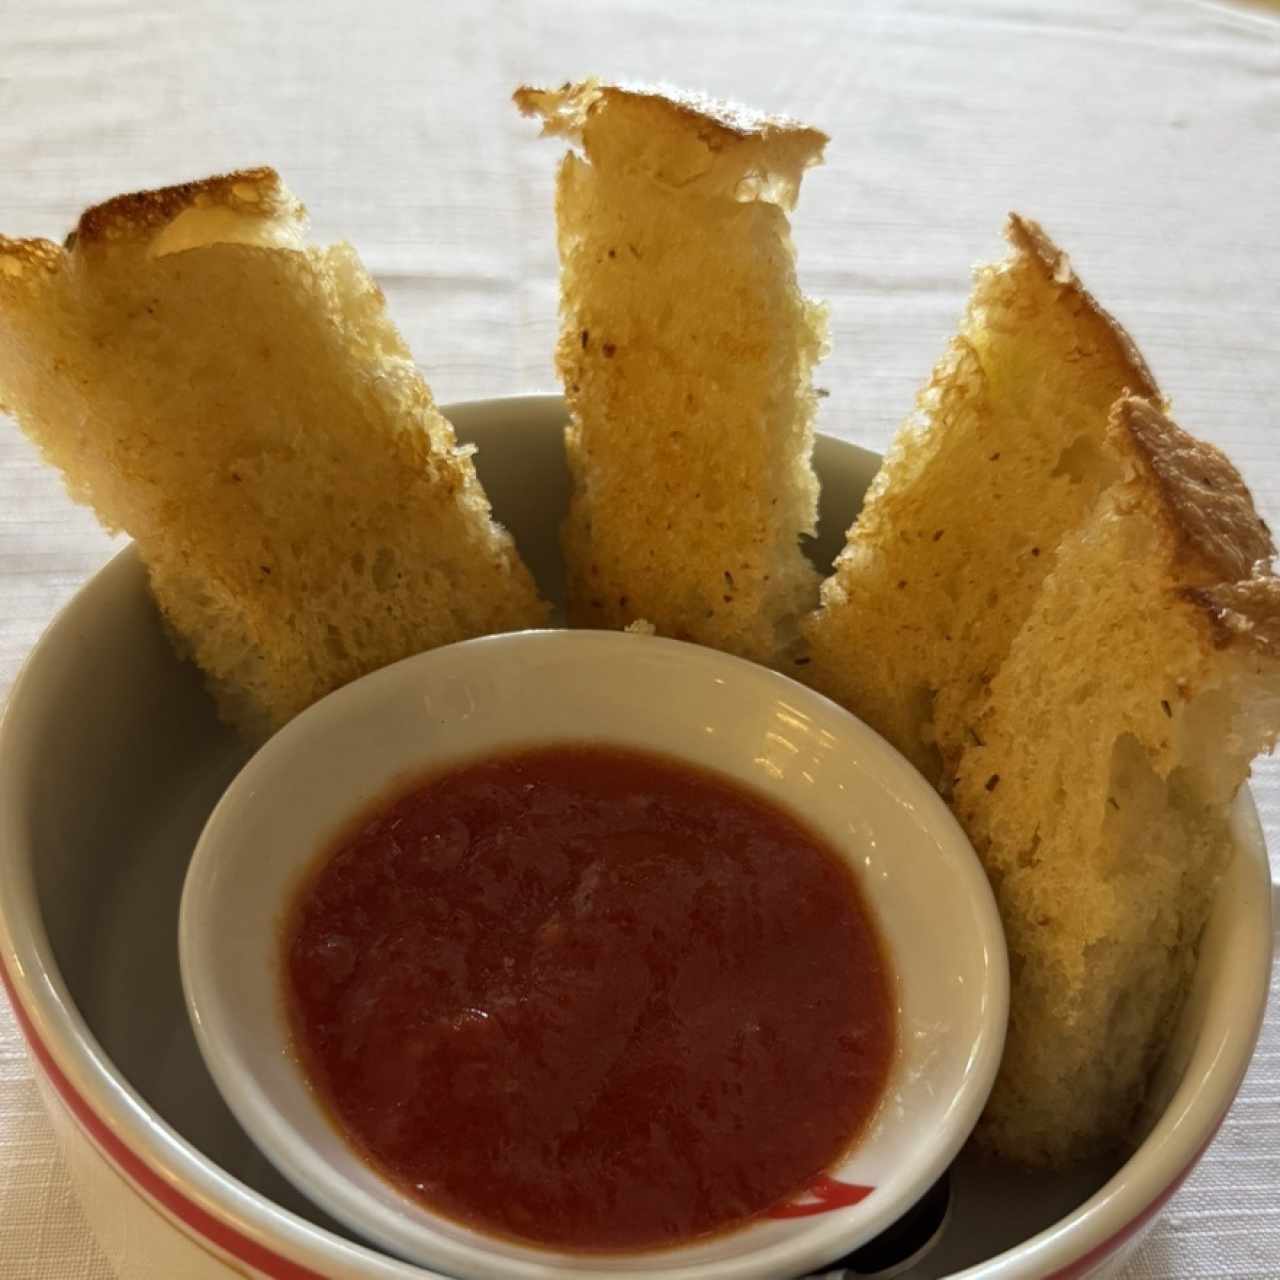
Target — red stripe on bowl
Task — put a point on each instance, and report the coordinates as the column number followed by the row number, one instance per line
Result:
column 1084, row 1264
column 829, row 1193
column 142, row 1175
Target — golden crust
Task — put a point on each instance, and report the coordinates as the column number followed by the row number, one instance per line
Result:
column 254, row 194
column 1218, row 535
column 1244, row 614
column 17, row 255
column 1030, row 238
column 766, row 155
column 257, row 193
column 565, row 110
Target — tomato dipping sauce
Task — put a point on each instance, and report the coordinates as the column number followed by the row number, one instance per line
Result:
column 589, row 998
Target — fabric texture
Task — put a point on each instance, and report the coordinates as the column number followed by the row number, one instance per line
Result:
column 1142, row 134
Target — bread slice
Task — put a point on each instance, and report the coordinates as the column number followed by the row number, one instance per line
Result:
column 686, row 351
column 1002, row 457
column 241, row 405
column 1097, row 784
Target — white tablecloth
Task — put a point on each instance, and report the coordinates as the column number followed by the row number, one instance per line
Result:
column 1146, row 137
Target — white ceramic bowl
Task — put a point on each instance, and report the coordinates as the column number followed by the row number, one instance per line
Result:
column 110, row 763
column 922, row 881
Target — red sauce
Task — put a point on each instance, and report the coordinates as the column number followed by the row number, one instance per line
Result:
column 590, row 998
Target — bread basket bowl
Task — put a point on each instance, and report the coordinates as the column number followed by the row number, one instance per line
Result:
column 110, row 759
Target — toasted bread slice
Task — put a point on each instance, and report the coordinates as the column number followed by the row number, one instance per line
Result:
column 1003, row 456
column 242, row 406
column 686, row 351
column 1097, row 785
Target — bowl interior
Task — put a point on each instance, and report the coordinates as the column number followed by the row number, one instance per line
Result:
column 89, row 893
column 922, row 882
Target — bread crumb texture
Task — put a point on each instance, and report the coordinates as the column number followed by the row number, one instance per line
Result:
column 1119, row 726
column 686, row 351
column 239, row 403
column 1060, row 606
column 1004, row 453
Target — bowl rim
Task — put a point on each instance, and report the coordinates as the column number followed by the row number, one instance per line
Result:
column 387, row 695
column 237, row 1222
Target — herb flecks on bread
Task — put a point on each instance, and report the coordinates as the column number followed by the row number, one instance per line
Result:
column 686, row 351
column 1114, row 737
column 240, row 403
column 1002, row 456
